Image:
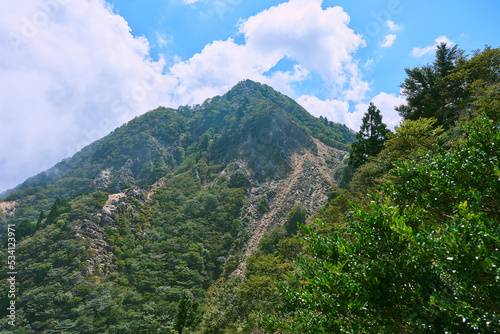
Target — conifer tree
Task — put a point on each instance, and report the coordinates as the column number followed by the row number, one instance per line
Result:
column 370, row 138
column 295, row 218
column 41, row 217
column 424, row 89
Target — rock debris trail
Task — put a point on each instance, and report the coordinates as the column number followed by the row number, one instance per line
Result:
column 309, row 183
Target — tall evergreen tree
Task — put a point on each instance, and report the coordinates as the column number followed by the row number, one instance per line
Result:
column 424, row 91
column 41, row 217
column 445, row 59
column 370, row 138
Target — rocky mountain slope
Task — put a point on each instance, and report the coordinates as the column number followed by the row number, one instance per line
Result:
column 168, row 202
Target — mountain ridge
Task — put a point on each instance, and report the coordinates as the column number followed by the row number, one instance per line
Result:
column 172, row 200
column 243, row 89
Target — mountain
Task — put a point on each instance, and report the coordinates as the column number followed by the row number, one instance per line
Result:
column 112, row 239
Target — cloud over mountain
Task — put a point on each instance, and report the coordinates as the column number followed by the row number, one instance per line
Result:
column 73, row 71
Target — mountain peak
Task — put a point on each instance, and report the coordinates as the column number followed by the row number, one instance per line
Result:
column 246, row 86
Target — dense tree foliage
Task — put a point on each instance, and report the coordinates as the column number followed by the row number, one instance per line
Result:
column 423, row 88
column 153, row 253
column 453, row 87
column 423, row 257
column 295, row 218
column 409, row 138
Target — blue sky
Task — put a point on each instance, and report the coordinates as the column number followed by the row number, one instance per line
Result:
column 188, row 28
column 72, row 71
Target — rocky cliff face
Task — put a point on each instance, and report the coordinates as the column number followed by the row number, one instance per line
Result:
column 267, row 150
column 282, row 167
column 307, row 180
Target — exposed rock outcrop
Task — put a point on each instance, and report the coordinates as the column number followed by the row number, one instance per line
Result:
column 8, row 208
column 308, row 182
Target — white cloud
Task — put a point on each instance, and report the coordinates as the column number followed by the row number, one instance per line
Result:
column 390, row 38
column 71, row 72
column 388, row 41
column 290, row 30
column 334, row 110
column 319, row 39
column 162, row 40
column 215, row 69
column 357, row 88
column 338, row 111
column 368, row 64
column 190, row 2
column 281, row 81
column 393, row 27
column 419, row 52
column 387, row 104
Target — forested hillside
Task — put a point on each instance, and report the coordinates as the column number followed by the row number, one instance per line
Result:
column 247, row 215
column 124, row 235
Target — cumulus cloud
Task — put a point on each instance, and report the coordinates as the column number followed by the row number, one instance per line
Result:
column 419, row 52
column 71, row 72
column 220, row 65
column 290, row 30
column 338, row 111
column 297, row 27
column 334, row 110
column 281, row 80
column 388, row 41
column 393, row 27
